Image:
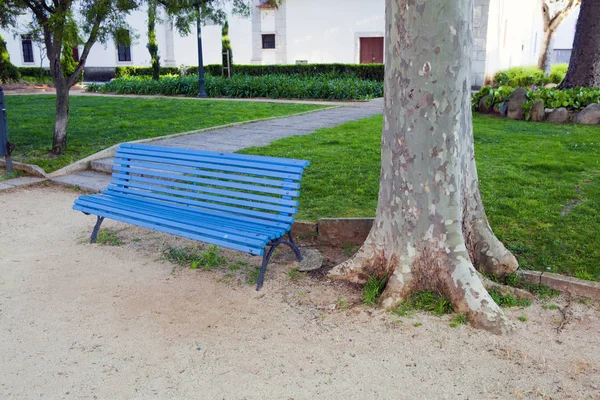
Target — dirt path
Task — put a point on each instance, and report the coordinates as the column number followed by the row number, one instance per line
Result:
column 91, row 321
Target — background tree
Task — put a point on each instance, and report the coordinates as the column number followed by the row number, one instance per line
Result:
column 552, row 21
column 430, row 229
column 152, row 42
column 96, row 20
column 226, row 50
column 8, row 72
column 584, row 65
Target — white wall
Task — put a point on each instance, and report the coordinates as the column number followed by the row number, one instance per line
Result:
column 326, row 31
column 564, row 35
column 185, row 48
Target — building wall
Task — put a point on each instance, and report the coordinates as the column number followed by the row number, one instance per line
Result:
column 174, row 49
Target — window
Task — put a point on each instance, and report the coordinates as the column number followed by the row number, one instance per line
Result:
column 123, row 48
column 268, row 41
column 27, row 49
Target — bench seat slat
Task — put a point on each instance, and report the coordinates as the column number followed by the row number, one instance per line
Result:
column 225, row 156
column 193, row 164
column 217, row 234
column 128, row 179
column 202, row 204
column 247, row 249
column 212, row 182
column 184, row 205
column 132, row 153
column 188, row 216
column 201, row 172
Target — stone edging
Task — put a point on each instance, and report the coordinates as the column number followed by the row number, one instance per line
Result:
column 84, row 163
column 31, row 169
column 354, row 231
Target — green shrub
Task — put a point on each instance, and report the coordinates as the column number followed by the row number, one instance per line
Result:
column 34, row 71
column 558, row 73
column 520, row 76
column 572, row 99
column 8, row 72
column 374, row 72
column 244, row 86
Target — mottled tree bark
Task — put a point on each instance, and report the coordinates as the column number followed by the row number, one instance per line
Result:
column 430, row 227
column 59, row 139
column 584, row 66
column 152, row 43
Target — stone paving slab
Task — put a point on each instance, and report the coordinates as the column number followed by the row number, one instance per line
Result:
column 17, row 182
column 86, row 180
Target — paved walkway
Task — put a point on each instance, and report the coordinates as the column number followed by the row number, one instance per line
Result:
column 239, row 137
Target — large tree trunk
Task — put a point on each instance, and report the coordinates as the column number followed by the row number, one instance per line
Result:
column 584, row 66
column 59, row 140
column 430, row 226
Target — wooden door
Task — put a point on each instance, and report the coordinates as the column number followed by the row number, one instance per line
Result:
column 371, row 50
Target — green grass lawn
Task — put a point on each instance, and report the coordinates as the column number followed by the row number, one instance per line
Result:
column 96, row 123
column 540, row 184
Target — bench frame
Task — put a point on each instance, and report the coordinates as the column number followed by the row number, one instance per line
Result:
column 251, row 168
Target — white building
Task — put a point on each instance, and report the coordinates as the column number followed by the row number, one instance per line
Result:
column 506, row 33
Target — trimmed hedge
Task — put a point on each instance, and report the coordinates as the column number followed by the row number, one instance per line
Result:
column 34, row 71
column 373, row 72
column 244, row 86
column 530, row 76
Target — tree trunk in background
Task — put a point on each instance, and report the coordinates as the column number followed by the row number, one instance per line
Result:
column 152, row 43
column 430, row 227
column 59, row 140
column 546, row 52
column 584, row 66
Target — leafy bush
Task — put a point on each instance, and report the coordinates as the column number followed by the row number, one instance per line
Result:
column 373, row 72
column 34, row 71
column 530, row 76
column 558, row 73
column 8, row 72
column 572, row 99
column 244, row 86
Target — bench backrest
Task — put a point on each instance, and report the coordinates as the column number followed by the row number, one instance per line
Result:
column 256, row 187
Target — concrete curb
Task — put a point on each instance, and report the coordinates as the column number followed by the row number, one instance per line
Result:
column 354, row 231
column 84, row 163
column 575, row 286
column 31, row 169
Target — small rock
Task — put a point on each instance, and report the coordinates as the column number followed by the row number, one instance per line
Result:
column 558, row 116
column 311, row 260
column 485, row 104
column 503, row 109
column 538, row 112
column 515, row 104
column 550, row 85
column 589, row 115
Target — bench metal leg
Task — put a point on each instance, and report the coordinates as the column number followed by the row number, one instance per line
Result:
column 96, row 228
column 268, row 254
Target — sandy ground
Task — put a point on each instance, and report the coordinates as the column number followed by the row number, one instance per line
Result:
column 117, row 322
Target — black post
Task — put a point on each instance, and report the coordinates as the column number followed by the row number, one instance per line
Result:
column 201, row 89
column 5, row 146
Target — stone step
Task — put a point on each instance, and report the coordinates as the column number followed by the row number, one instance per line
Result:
column 103, row 165
column 90, row 181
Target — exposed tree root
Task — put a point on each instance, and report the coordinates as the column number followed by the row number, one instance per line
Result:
column 505, row 290
column 567, row 313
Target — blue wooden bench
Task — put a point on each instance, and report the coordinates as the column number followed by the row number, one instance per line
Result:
column 236, row 201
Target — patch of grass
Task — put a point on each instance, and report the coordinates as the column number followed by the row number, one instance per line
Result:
column 459, row 319
column 373, row 289
column 96, row 123
column 349, row 249
column 15, row 174
column 529, row 173
column 207, row 259
column 295, row 275
column 508, row 301
column 523, row 318
column 342, row 304
column 542, row 291
column 425, row 300
column 108, row 238
column 550, row 307
column 252, row 275
column 417, row 324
